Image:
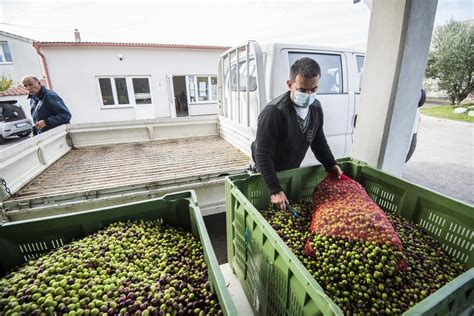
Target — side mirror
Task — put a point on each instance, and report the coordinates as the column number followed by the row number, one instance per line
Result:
column 422, row 98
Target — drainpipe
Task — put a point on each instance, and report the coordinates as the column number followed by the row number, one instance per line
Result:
column 37, row 46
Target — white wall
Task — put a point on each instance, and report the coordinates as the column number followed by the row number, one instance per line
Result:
column 202, row 108
column 74, row 70
column 25, row 60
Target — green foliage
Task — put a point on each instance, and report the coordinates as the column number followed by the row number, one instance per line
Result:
column 451, row 59
column 446, row 112
column 5, row 83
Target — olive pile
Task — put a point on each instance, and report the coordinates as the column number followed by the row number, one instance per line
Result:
column 132, row 268
column 362, row 277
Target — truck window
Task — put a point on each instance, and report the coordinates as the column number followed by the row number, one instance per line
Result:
column 331, row 70
column 360, row 68
column 10, row 112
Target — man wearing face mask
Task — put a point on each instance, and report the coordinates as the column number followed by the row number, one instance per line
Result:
column 288, row 126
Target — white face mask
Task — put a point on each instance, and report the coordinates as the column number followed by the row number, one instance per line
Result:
column 304, row 100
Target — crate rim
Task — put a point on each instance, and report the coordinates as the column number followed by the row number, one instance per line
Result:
column 301, row 272
column 190, row 195
column 417, row 309
column 246, row 176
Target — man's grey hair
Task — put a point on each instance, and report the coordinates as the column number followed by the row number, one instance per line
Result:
column 305, row 67
column 31, row 77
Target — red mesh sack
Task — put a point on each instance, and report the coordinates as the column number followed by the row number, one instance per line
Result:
column 343, row 209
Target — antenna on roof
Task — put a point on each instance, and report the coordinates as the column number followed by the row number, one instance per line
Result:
column 77, row 35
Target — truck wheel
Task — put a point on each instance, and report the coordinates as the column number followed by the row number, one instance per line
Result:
column 412, row 147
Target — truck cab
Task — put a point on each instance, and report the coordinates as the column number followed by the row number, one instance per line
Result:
column 251, row 75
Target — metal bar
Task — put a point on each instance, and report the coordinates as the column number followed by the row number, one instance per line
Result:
column 237, row 65
column 230, row 85
column 260, row 74
column 221, row 86
column 247, row 88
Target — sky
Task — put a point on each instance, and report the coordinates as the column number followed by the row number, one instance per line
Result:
column 224, row 22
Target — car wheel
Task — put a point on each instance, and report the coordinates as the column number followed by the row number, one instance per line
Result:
column 412, row 147
column 25, row 134
column 2, row 140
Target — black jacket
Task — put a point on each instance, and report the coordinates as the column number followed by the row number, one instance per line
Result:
column 48, row 106
column 280, row 144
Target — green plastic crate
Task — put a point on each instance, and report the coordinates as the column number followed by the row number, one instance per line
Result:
column 275, row 281
column 24, row 240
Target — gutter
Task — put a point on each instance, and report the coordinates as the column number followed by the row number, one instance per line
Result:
column 37, row 46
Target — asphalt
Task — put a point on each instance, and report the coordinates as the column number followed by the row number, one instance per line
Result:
column 12, row 141
column 216, row 228
column 444, row 158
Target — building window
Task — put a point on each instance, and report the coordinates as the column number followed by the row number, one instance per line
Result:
column 106, row 91
column 141, row 90
column 124, row 91
column 214, row 88
column 202, row 89
column 121, row 87
column 5, row 53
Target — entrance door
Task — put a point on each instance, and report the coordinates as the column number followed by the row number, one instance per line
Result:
column 180, row 96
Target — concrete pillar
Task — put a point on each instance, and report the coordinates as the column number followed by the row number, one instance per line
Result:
column 397, row 52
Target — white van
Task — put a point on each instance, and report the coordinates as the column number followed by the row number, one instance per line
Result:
column 241, row 97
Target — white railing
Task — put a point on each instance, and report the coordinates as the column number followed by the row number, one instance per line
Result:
column 236, row 134
column 93, row 134
column 23, row 161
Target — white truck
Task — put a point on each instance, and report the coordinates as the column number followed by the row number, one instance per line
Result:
column 83, row 166
column 260, row 75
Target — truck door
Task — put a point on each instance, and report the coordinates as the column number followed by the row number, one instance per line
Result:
column 333, row 95
column 360, row 59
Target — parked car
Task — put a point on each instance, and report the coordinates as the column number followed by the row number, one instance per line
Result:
column 13, row 121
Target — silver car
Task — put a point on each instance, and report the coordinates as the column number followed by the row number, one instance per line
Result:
column 13, row 121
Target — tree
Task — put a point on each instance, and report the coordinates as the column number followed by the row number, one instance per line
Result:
column 5, row 83
column 451, row 59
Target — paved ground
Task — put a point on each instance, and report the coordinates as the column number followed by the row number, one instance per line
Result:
column 444, row 158
column 216, row 228
column 11, row 141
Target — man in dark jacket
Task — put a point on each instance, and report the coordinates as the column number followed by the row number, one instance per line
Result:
column 288, row 126
column 47, row 108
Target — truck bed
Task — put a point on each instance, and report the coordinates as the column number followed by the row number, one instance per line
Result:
column 101, row 167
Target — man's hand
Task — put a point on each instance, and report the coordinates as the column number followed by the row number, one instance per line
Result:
column 335, row 171
column 40, row 124
column 279, row 199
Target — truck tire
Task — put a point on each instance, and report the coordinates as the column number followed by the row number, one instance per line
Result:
column 412, row 147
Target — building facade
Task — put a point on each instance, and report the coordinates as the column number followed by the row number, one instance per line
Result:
column 103, row 82
column 18, row 57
